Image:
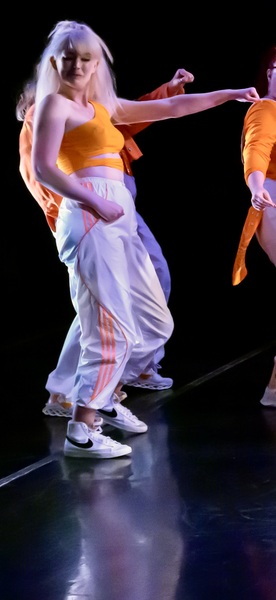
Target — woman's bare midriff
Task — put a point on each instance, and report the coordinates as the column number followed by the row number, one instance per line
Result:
column 105, row 172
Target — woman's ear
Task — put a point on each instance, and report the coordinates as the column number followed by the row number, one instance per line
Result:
column 96, row 64
column 53, row 62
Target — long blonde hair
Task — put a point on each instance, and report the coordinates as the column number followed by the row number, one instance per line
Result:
column 71, row 35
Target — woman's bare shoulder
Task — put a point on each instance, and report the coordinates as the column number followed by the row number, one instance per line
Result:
column 53, row 104
column 54, row 100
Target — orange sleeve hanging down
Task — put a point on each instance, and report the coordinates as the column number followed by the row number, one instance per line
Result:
column 47, row 200
column 250, row 225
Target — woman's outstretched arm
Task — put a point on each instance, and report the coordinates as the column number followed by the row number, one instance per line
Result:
column 178, row 106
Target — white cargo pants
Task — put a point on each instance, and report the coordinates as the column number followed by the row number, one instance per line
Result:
column 116, row 293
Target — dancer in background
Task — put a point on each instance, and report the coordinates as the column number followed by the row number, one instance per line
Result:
column 259, row 165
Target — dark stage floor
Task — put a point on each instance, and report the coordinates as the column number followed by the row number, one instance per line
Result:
column 190, row 516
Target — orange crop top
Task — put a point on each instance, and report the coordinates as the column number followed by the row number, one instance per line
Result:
column 81, row 145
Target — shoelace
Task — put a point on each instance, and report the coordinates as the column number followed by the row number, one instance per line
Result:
column 98, row 429
column 105, row 439
column 127, row 413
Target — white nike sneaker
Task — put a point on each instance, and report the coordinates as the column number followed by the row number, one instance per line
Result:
column 122, row 417
column 81, row 441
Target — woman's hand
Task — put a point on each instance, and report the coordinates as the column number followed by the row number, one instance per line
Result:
column 179, row 80
column 261, row 199
column 108, row 210
column 247, row 95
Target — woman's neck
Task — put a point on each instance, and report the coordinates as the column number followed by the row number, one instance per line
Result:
column 79, row 97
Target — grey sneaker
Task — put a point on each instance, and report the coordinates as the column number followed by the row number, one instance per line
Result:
column 58, row 406
column 122, row 417
column 152, row 381
column 83, row 442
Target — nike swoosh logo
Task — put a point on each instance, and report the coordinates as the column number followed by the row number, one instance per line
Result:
column 87, row 444
column 108, row 413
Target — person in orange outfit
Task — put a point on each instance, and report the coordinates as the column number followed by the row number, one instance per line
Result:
column 60, row 381
column 259, row 165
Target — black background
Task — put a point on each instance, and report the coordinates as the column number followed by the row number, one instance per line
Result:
column 191, row 190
